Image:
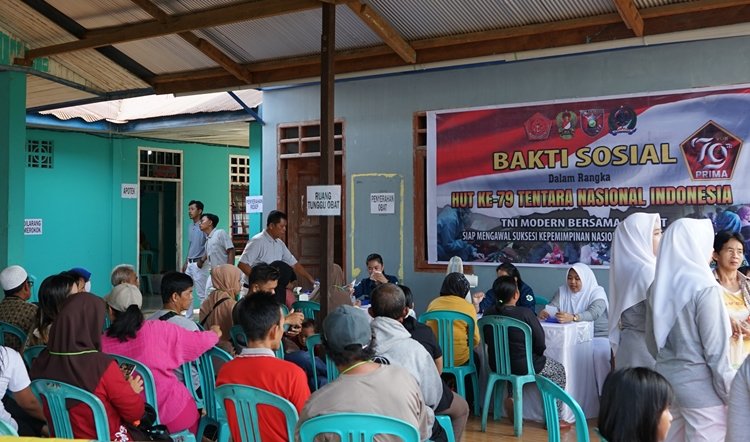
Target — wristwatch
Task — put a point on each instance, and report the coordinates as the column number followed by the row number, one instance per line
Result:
column 575, row 318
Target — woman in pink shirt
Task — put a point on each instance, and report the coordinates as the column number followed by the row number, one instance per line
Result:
column 163, row 347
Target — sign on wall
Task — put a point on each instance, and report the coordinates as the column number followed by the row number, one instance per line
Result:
column 547, row 183
column 129, row 191
column 324, row 200
column 382, row 203
column 33, row 226
column 254, row 204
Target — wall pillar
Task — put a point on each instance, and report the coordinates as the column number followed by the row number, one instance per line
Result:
column 12, row 167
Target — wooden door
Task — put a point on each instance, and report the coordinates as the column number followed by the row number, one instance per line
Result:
column 303, row 232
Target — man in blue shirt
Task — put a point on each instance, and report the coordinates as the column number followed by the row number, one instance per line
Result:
column 377, row 276
column 196, row 256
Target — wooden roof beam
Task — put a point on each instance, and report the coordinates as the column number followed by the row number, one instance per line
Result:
column 207, row 18
column 201, row 44
column 384, row 29
column 630, row 15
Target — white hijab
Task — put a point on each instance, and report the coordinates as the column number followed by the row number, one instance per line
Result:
column 631, row 270
column 577, row 303
column 682, row 270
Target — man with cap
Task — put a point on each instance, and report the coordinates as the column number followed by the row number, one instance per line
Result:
column 15, row 308
column 364, row 386
column 83, row 278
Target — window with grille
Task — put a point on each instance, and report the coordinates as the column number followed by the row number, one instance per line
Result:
column 239, row 188
column 40, row 154
column 160, row 164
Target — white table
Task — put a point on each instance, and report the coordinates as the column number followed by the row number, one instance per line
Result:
column 571, row 345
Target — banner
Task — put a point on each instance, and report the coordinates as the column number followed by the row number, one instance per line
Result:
column 547, row 183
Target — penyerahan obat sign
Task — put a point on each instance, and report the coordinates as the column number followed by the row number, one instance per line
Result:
column 324, row 200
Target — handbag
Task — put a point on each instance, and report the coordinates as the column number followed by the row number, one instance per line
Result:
column 147, row 429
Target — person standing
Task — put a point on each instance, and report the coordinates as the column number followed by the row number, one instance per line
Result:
column 267, row 247
column 219, row 247
column 196, row 256
column 688, row 332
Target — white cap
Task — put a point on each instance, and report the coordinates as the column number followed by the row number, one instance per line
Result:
column 13, row 277
column 123, row 296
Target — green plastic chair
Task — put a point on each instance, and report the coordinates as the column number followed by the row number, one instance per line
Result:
column 357, row 427
column 445, row 423
column 499, row 326
column 11, row 329
column 7, row 430
column 540, row 302
column 245, row 400
column 214, row 416
column 149, row 389
column 331, row 371
column 56, row 393
column 308, row 308
column 31, row 353
column 445, row 320
column 552, row 392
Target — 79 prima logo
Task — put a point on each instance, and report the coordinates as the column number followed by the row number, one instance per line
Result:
column 711, row 152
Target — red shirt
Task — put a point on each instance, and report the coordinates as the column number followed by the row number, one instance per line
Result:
column 274, row 375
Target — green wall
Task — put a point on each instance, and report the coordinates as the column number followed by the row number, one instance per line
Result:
column 86, row 222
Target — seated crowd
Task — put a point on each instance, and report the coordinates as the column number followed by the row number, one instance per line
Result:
column 387, row 362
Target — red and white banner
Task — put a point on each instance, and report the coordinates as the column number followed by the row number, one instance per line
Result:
column 547, row 183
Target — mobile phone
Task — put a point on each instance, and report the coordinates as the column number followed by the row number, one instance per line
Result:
column 127, row 369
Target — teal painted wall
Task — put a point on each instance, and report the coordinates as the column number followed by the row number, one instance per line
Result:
column 86, row 222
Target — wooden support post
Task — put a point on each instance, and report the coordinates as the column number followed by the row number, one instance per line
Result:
column 327, row 168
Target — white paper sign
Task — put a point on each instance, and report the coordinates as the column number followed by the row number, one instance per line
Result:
column 32, row 226
column 324, row 200
column 382, row 203
column 129, row 191
column 254, row 204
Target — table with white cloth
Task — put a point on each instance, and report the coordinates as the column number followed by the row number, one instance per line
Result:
column 571, row 345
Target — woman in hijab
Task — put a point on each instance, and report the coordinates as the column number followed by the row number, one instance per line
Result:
column 631, row 272
column 74, row 356
column 217, row 308
column 452, row 294
column 583, row 299
column 688, row 332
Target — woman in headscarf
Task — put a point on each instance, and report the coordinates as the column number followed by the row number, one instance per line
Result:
column 217, row 308
column 631, row 272
column 74, row 356
column 452, row 297
column 162, row 347
column 688, row 331
column 581, row 298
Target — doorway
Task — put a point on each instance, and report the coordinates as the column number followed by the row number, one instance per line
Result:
column 159, row 220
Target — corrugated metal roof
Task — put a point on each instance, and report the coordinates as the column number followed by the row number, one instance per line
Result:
column 642, row 4
column 100, row 13
column 173, row 7
column 151, row 106
column 229, row 134
column 166, row 54
column 41, row 92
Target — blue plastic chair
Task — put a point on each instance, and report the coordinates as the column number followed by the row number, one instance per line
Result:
column 540, row 302
column 7, row 430
column 499, row 326
column 245, row 401
column 13, row 330
column 445, row 320
column 357, row 427
column 214, row 416
column 31, row 353
column 149, row 389
column 552, row 392
column 331, row 371
column 308, row 308
column 56, row 393
column 445, row 423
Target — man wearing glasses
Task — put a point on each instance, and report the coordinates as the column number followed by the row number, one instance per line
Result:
column 15, row 308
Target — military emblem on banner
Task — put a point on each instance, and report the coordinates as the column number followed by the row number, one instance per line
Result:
column 537, row 127
column 711, row 152
column 566, row 124
column 622, row 120
column 592, row 121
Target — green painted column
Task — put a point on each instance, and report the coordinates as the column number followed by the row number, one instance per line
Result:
column 12, row 166
column 255, row 220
